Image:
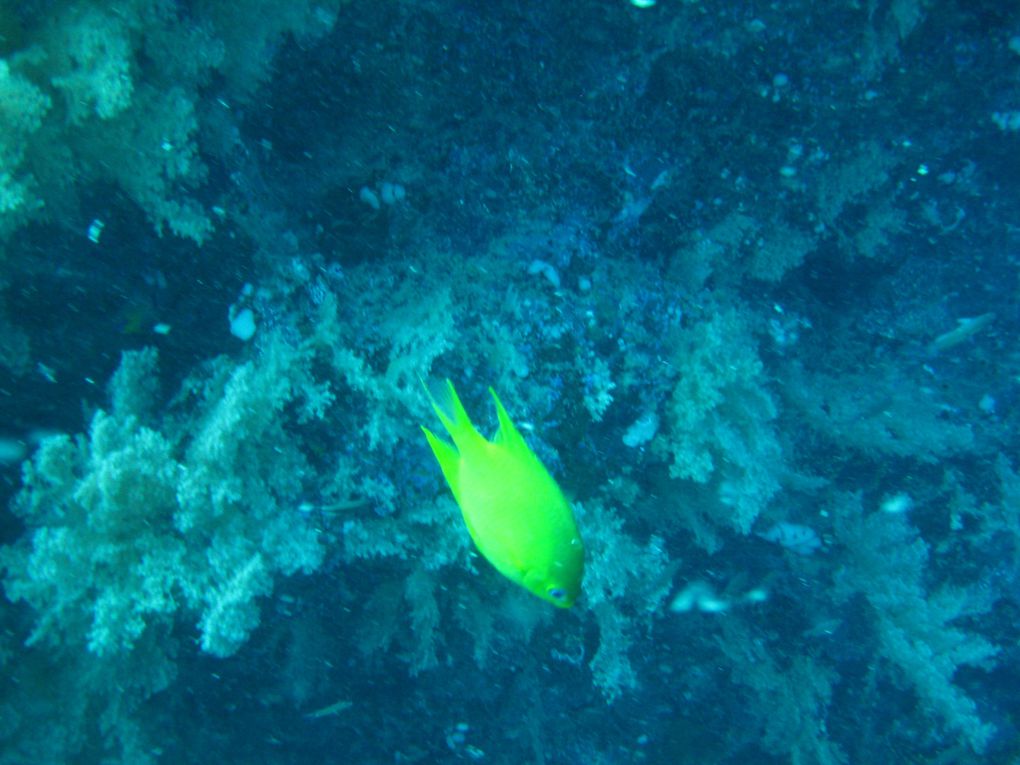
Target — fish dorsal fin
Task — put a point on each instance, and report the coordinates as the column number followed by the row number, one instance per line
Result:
column 507, row 435
column 451, row 412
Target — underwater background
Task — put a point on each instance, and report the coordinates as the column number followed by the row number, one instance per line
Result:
column 745, row 275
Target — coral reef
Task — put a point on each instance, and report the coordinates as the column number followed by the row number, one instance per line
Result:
column 744, row 275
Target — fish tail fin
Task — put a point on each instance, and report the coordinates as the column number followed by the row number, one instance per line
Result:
column 447, row 457
column 451, row 412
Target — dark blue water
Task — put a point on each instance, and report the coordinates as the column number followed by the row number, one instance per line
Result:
column 744, row 274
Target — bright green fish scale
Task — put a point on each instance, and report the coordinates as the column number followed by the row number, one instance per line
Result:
column 514, row 510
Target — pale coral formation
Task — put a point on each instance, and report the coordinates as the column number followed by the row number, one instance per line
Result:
column 128, row 526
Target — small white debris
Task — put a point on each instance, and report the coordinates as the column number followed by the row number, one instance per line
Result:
column 391, row 193
column 546, row 270
column 162, row 328
column 898, row 503
column 386, row 193
column 96, row 230
column 330, row 710
column 642, row 430
column 1008, row 121
column 757, row 595
column 794, row 537
column 661, row 180
column 987, row 404
column 642, row 3
column 690, row 597
column 700, row 596
column 242, row 323
column 48, row 374
column 965, row 328
column 457, row 736
column 712, row 605
column 369, row 197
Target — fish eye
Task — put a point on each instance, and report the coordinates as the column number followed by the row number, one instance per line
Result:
column 557, row 593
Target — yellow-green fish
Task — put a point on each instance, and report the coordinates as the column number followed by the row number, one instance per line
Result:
column 514, row 510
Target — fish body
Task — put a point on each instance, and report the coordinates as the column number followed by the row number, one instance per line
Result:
column 515, row 512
